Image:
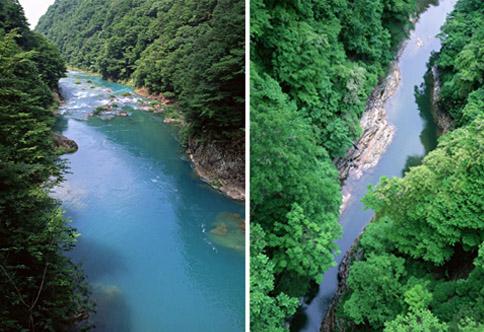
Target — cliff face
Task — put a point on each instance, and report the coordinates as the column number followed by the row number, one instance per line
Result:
column 331, row 323
column 377, row 132
column 221, row 164
column 442, row 119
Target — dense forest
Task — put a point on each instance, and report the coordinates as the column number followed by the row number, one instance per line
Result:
column 192, row 51
column 423, row 256
column 314, row 65
column 41, row 289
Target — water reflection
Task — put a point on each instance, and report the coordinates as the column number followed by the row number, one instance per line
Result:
column 99, row 258
column 430, row 131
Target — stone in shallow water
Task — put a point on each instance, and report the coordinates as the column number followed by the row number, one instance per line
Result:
column 228, row 230
column 220, row 229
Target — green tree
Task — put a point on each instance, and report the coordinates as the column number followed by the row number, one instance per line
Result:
column 377, row 286
column 314, row 65
column 41, row 288
column 418, row 320
column 300, row 172
column 267, row 313
column 297, row 243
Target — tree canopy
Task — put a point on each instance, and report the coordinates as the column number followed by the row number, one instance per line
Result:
column 190, row 50
column 314, row 65
column 41, row 289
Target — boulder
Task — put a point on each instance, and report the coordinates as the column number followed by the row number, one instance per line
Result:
column 64, row 144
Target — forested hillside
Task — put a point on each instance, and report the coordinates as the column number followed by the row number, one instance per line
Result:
column 41, row 289
column 422, row 267
column 190, row 50
column 314, row 65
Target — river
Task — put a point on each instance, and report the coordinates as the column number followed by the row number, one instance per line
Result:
column 408, row 110
column 162, row 251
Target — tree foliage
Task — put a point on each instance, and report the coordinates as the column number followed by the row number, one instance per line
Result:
column 191, row 50
column 461, row 59
column 267, row 312
column 41, row 289
column 314, row 65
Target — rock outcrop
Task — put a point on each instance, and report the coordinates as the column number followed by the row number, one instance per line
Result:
column 220, row 164
column 330, row 322
column 443, row 120
column 377, row 132
column 64, row 144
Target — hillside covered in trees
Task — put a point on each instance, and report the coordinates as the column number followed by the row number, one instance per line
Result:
column 42, row 290
column 314, row 65
column 190, row 50
column 423, row 256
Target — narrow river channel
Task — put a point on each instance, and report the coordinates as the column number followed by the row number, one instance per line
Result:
column 415, row 135
column 162, row 251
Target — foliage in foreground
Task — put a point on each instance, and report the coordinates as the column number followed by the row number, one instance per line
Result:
column 41, row 289
column 422, row 268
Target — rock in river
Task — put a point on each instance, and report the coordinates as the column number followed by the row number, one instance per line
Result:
column 64, row 144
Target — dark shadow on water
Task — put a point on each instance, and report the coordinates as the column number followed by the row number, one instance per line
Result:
column 412, row 161
column 97, row 259
column 430, row 132
column 299, row 320
column 312, row 292
column 60, row 124
column 423, row 99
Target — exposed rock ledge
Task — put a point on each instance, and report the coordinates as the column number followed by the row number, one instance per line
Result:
column 377, row 132
column 330, row 322
column 443, row 120
column 222, row 165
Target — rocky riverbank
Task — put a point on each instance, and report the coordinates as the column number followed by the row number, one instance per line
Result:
column 331, row 322
column 220, row 164
column 64, row 145
column 442, row 119
column 377, row 132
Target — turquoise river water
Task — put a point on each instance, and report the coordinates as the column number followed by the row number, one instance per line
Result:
column 162, row 251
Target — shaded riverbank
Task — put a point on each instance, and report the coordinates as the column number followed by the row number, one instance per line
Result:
column 220, row 164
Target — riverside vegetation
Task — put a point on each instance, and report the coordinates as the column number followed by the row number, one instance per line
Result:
column 188, row 51
column 314, row 66
column 41, row 289
column 422, row 266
